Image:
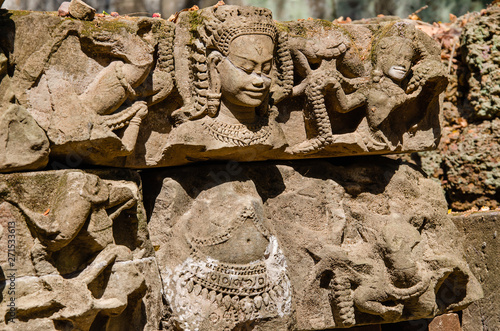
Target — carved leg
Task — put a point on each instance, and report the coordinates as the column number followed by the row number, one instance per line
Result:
column 131, row 118
column 40, row 258
column 108, row 91
column 129, row 138
column 341, row 296
column 316, row 96
column 124, row 280
column 105, row 258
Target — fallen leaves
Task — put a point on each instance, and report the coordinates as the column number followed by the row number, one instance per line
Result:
column 341, row 20
column 173, row 18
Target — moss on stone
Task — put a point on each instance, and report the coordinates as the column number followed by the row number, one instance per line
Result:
column 109, row 25
column 195, row 20
column 18, row 13
column 377, row 36
column 326, row 24
column 282, row 27
column 161, row 29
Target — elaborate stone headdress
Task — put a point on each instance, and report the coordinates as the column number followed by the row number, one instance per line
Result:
column 238, row 21
column 217, row 27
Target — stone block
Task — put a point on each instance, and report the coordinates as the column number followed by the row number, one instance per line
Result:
column 482, row 249
column 447, row 322
column 345, row 243
column 64, row 9
column 75, row 252
column 80, row 10
column 104, row 92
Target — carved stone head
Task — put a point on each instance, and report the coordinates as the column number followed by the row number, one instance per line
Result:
column 394, row 56
column 239, row 56
column 240, row 51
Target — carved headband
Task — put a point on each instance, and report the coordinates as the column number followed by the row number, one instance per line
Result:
column 225, row 35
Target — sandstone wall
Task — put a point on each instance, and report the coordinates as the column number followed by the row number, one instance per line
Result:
column 243, row 215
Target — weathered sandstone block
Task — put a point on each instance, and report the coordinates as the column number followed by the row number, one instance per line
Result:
column 75, row 252
column 481, row 231
column 80, row 10
column 308, row 245
column 225, row 82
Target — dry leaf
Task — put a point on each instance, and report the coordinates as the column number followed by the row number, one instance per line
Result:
column 462, row 121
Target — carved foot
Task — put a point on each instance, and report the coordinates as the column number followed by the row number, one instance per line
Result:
column 392, row 314
column 375, row 139
column 310, row 146
column 306, row 147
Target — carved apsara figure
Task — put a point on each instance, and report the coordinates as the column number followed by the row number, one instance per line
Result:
column 389, row 277
column 403, row 72
column 227, row 269
column 405, row 79
column 240, row 62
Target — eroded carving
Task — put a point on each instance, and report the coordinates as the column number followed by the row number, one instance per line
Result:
column 366, row 242
column 90, row 84
column 403, row 72
column 231, row 271
column 225, row 82
column 24, row 145
column 80, row 268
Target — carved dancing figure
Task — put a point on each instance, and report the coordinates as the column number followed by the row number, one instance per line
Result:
column 387, row 91
column 80, row 205
column 126, row 78
column 138, row 74
column 402, row 72
column 320, row 54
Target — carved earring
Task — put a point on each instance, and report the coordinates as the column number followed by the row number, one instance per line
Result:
column 213, row 103
column 213, row 93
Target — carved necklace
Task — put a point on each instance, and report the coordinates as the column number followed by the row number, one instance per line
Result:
column 239, row 134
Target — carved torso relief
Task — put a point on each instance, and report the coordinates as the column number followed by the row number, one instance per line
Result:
column 225, row 82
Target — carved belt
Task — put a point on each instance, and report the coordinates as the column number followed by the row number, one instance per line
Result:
column 242, row 280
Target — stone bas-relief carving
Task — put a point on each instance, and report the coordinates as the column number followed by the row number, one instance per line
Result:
column 88, row 84
column 24, row 144
column 237, row 58
column 387, row 87
column 362, row 242
column 295, row 246
column 225, row 82
column 221, row 266
column 81, row 259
